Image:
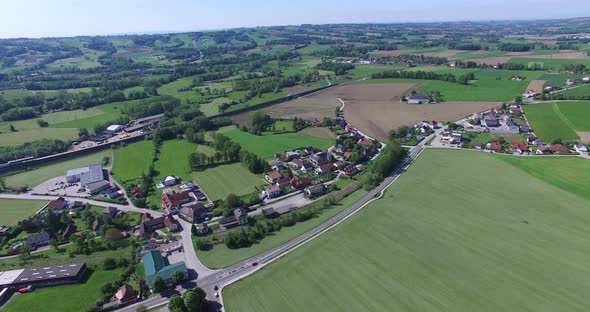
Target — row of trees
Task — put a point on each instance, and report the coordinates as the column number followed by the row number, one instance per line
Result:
column 40, row 148
column 406, row 74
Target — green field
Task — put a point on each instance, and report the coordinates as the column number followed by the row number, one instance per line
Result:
column 268, row 145
column 14, row 210
column 132, row 160
column 173, row 159
column 568, row 173
column 40, row 174
column 79, row 297
column 220, row 181
column 559, row 80
column 502, row 243
column 549, row 64
column 470, row 55
column 221, row 256
column 552, row 121
column 483, row 90
column 485, row 138
column 579, row 92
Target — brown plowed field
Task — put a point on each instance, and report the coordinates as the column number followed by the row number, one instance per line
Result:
column 575, row 55
column 584, row 136
column 536, row 85
column 376, row 108
column 563, row 55
column 306, row 108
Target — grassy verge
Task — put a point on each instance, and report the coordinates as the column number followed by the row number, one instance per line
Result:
column 221, row 256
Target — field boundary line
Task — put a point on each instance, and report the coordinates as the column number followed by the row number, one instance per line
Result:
column 562, row 117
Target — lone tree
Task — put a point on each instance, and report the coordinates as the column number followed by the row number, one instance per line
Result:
column 195, row 300
column 176, row 304
column 158, row 285
column 177, row 278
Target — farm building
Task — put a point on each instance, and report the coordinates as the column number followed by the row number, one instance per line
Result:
column 419, row 99
column 113, row 129
column 43, row 277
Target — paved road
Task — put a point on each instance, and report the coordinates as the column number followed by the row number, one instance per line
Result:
column 233, row 273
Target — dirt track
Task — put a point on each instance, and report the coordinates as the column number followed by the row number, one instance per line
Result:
column 584, row 136
column 536, row 85
column 376, row 108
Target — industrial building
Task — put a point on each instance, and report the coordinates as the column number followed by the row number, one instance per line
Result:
column 43, row 277
column 93, row 178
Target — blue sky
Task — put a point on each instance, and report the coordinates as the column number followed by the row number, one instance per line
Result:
column 37, row 18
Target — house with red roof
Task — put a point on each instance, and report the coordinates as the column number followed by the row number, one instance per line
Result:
column 519, row 147
column 272, row 176
column 325, row 168
column 283, row 181
column 365, row 142
column 174, row 200
column 298, row 182
column 494, row 146
column 272, row 191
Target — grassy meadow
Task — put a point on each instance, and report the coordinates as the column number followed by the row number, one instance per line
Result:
column 552, row 121
column 132, row 160
column 502, row 243
column 268, row 145
column 14, row 210
column 222, row 180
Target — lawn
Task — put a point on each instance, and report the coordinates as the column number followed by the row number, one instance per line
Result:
column 38, row 175
column 132, row 160
column 577, row 114
column 268, row 145
column 571, row 174
column 14, row 210
column 173, row 159
column 501, row 243
column 35, row 134
column 559, row 80
column 483, row 90
column 79, row 297
column 221, row 256
column 549, row 122
column 485, row 138
column 220, row 181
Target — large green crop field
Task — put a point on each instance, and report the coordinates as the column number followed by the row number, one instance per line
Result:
column 132, row 160
column 492, row 238
column 14, row 210
column 552, row 121
column 549, row 64
column 40, row 174
column 268, row 145
column 79, row 297
column 220, row 181
column 568, row 173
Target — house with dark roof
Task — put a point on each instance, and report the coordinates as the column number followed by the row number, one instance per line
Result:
column 490, row 122
column 419, row 98
column 150, row 225
column 306, row 167
column 351, row 170
column 241, row 215
column 70, row 230
column 111, row 211
column 155, row 266
column 38, row 240
column 315, row 190
column 269, row 212
column 320, row 158
column 193, row 213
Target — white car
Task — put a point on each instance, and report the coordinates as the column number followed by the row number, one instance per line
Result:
column 216, row 295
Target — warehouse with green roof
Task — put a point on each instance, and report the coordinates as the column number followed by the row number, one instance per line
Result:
column 155, row 265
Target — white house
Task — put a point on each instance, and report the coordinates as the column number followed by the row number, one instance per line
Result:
column 581, row 148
